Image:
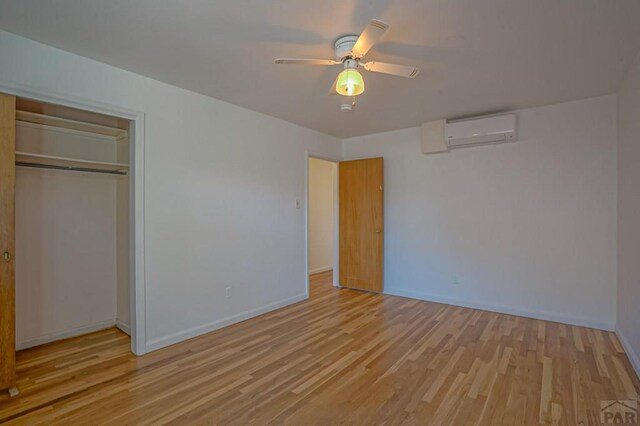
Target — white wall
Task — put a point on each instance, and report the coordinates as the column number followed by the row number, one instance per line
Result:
column 321, row 181
column 526, row 228
column 220, row 185
column 628, row 324
column 65, row 254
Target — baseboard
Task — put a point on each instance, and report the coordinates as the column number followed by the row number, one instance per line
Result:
column 123, row 327
column 64, row 335
column 634, row 357
column 215, row 325
column 541, row 315
column 321, row 269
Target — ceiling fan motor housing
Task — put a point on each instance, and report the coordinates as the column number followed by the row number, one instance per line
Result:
column 344, row 45
column 350, row 63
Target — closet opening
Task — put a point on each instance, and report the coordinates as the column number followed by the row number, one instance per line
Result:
column 73, row 239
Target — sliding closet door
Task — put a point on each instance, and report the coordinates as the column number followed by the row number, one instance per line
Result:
column 7, row 241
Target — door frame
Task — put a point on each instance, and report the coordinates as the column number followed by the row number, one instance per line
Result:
column 336, row 211
column 137, row 282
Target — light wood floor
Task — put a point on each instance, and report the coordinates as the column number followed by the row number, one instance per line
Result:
column 342, row 357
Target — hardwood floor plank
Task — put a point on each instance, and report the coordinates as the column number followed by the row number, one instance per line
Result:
column 340, row 357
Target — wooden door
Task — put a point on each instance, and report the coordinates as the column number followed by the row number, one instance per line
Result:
column 361, row 224
column 7, row 241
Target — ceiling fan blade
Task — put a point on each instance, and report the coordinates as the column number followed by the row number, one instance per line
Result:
column 393, row 69
column 293, row 61
column 333, row 90
column 370, row 36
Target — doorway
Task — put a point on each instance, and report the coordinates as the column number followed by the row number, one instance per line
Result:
column 322, row 222
column 345, row 248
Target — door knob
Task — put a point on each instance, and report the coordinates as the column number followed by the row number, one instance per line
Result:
column 378, row 231
column 6, row 255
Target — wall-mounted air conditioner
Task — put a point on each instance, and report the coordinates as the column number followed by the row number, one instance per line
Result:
column 440, row 136
column 480, row 131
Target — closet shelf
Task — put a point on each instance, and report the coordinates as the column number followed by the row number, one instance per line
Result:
column 50, row 160
column 65, row 123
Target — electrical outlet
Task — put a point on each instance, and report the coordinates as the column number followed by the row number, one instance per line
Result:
column 298, row 204
column 228, row 292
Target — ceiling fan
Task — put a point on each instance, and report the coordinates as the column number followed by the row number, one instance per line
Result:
column 349, row 51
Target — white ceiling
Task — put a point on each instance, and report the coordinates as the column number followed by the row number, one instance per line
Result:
column 476, row 56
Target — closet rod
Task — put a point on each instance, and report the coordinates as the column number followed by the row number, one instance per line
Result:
column 69, row 168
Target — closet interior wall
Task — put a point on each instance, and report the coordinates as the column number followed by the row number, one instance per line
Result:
column 123, row 271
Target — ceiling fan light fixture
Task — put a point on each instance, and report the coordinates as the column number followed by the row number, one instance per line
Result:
column 350, row 82
column 349, row 52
